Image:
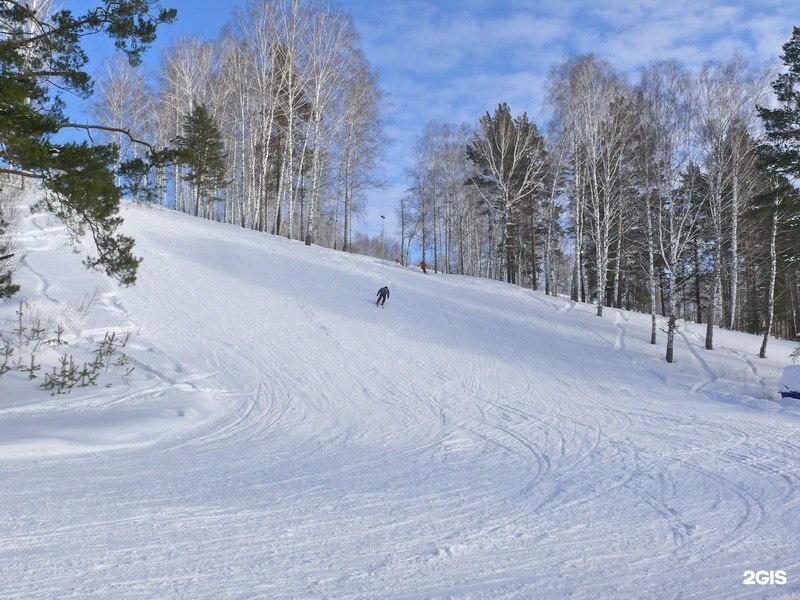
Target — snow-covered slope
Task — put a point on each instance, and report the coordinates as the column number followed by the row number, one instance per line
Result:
column 281, row 437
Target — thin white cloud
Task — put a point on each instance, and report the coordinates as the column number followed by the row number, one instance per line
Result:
column 452, row 60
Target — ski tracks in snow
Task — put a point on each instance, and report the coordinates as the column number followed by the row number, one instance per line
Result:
column 711, row 376
column 456, row 444
column 619, row 322
column 719, row 468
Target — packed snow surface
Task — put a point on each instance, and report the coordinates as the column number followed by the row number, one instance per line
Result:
column 790, row 381
column 282, row 437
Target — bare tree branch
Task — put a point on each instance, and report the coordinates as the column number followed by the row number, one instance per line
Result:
column 89, row 128
column 22, row 173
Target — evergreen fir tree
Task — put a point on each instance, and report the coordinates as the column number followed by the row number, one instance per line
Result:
column 203, row 151
column 782, row 145
column 780, row 156
column 780, row 149
column 40, row 54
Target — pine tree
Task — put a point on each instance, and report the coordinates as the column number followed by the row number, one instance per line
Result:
column 203, row 151
column 780, row 155
column 781, row 149
column 511, row 163
column 39, row 54
column 7, row 286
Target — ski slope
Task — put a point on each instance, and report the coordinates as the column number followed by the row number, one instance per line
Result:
column 281, row 437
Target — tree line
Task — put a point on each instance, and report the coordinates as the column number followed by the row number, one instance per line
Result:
column 671, row 194
column 292, row 105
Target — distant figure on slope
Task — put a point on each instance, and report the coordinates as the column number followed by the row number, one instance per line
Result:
column 383, row 294
column 422, row 266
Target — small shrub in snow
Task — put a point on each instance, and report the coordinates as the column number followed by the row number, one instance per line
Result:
column 67, row 375
column 8, row 353
column 33, row 336
column 59, row 340
column 31, row 368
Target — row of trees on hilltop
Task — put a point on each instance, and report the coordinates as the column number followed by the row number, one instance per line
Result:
column 660, row 195
column 291, row 102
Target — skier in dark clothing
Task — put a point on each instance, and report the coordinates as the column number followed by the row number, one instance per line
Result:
column 383, row 294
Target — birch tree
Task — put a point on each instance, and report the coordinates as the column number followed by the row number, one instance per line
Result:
column 552, row 211
column 124, row 101
column 672, row 200
column 727, row 93
column 590, row 102
column 360, row 142
column 332, row 54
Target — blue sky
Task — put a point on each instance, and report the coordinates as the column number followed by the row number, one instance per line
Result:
column 452, row 60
